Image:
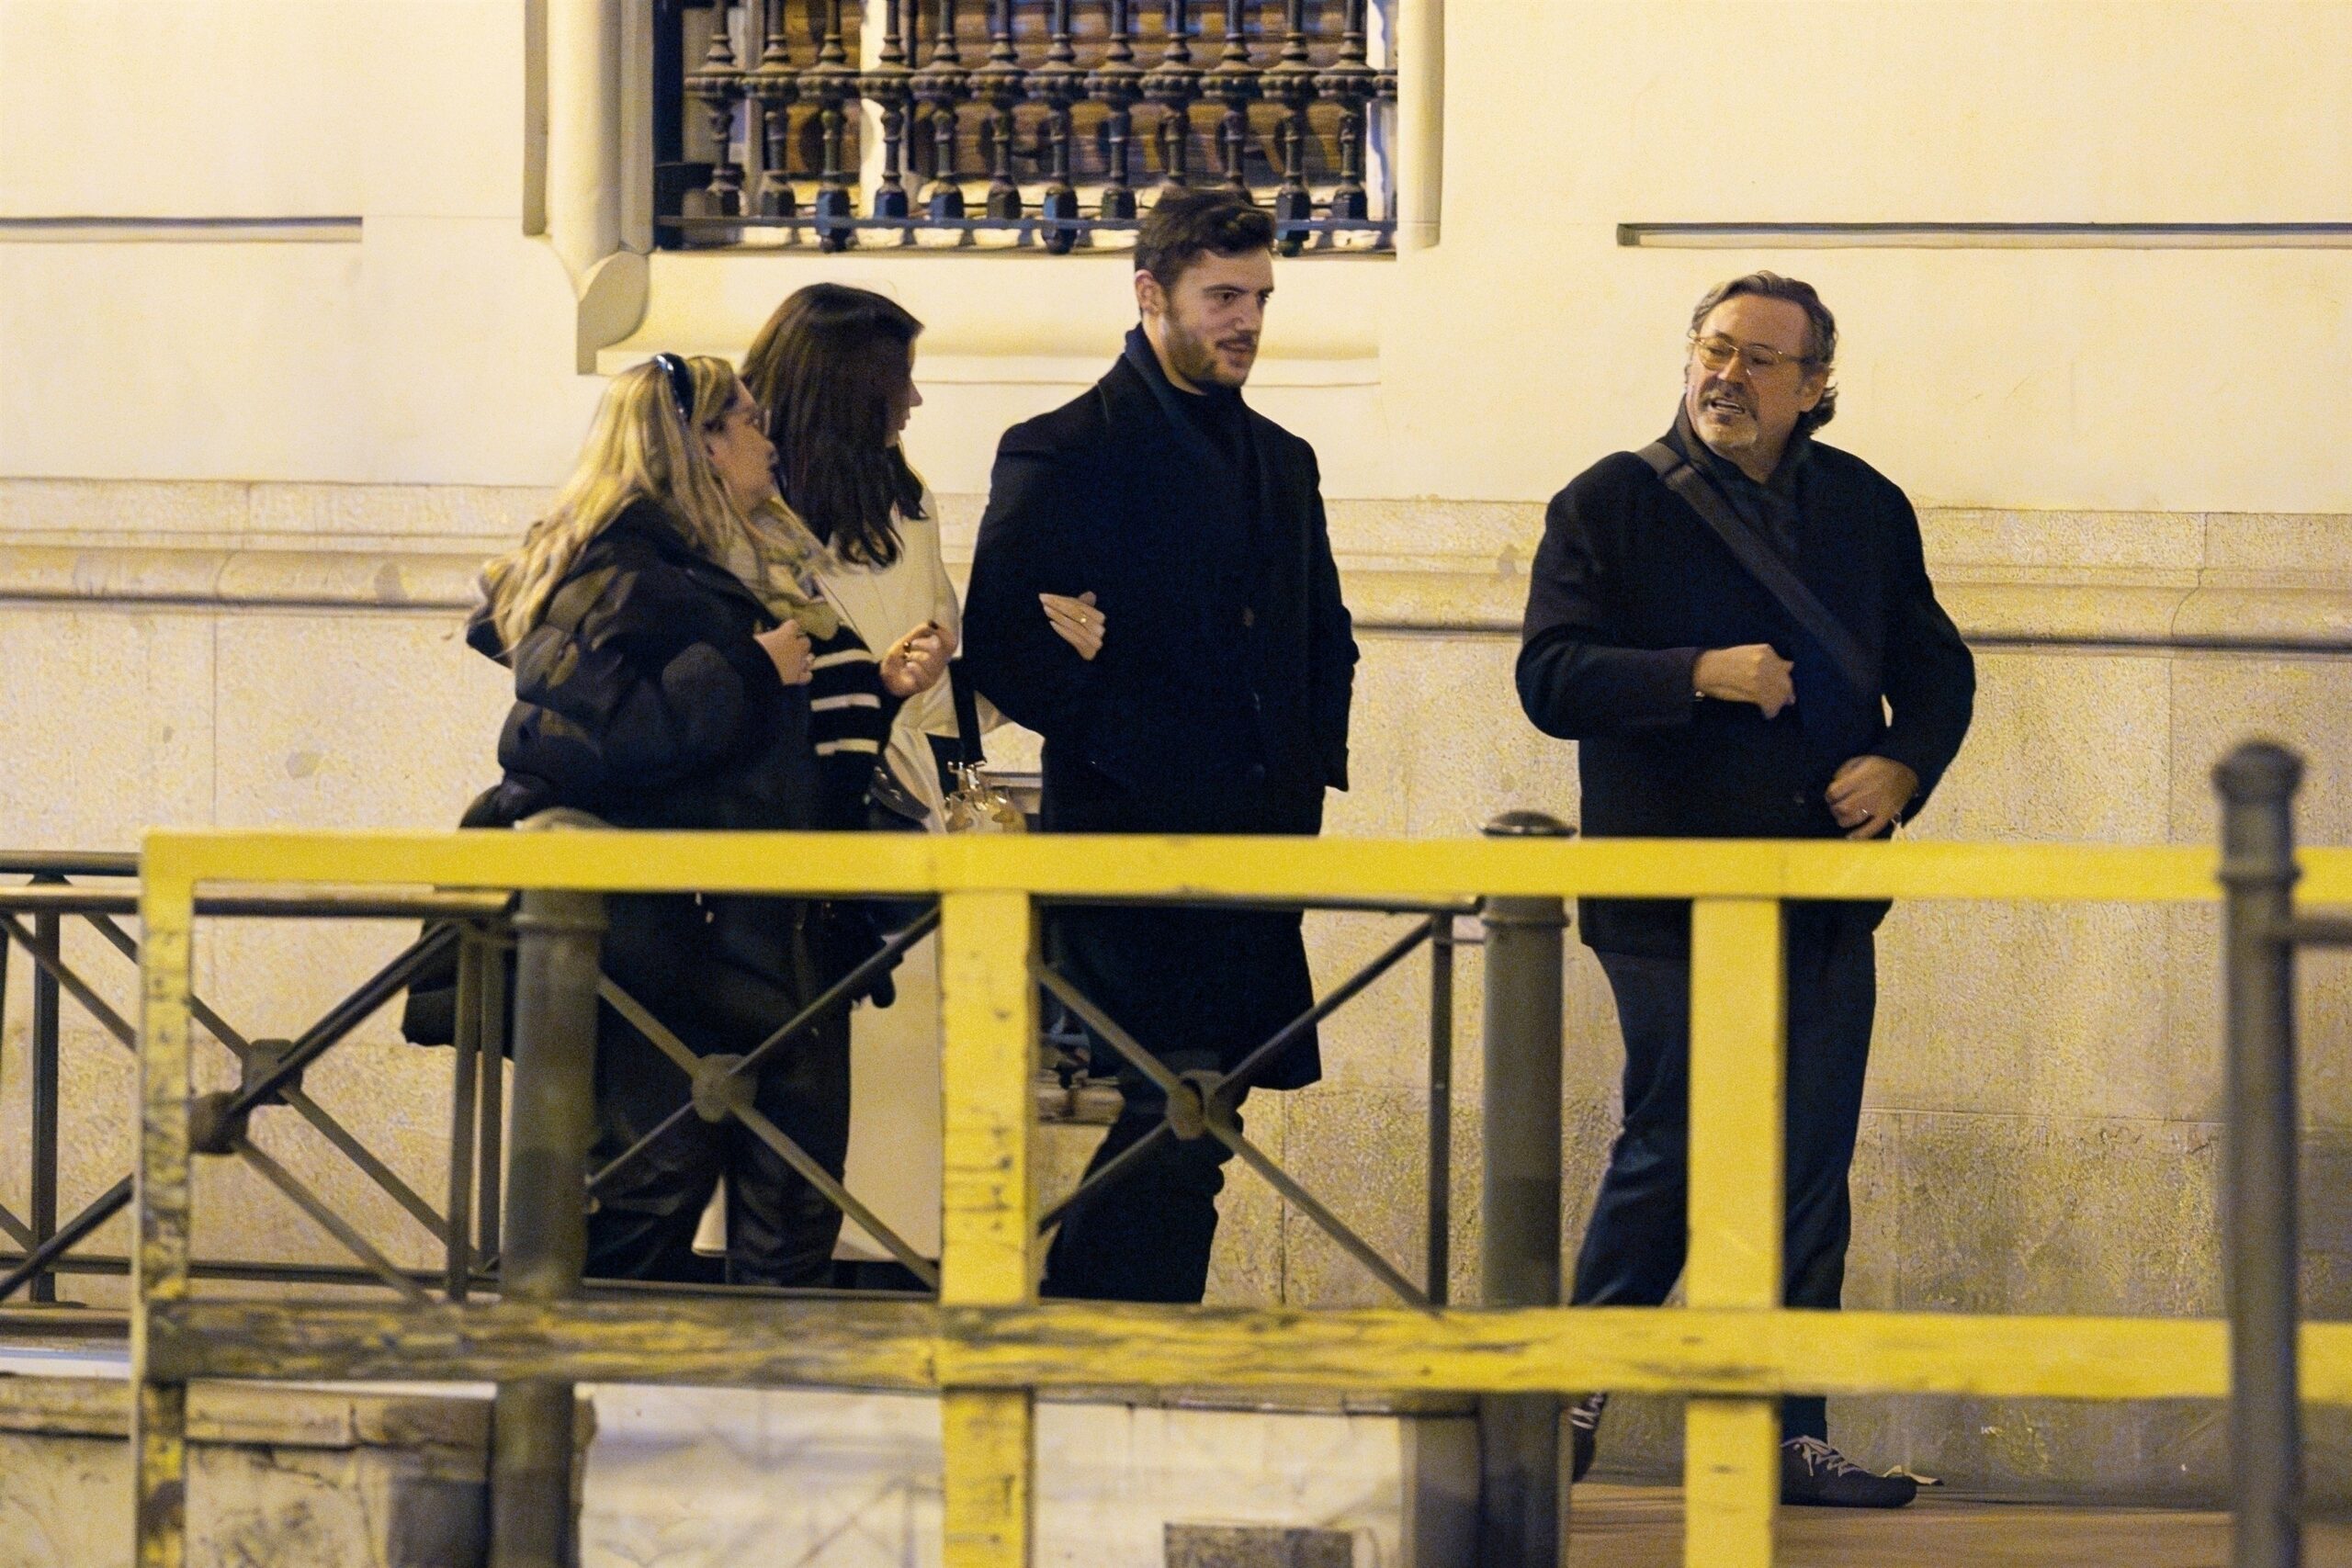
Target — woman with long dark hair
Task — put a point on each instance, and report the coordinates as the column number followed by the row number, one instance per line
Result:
column 834, row 371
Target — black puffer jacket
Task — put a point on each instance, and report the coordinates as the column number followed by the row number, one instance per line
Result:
column 643, row 699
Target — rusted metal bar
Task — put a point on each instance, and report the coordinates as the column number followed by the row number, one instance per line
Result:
column 322, row 1214
column 559, row 937
column 838, row 993
column 2257, row 784
column 333, row 1131
column 1438, row 1221
column 46, row 1055
column 1126, row 1159
column 45, row 897
column 38, row 1262
column 52, row 968
column 738, row 1104
column 1520, row 1497
column 67, row 862
column 1198, row 1103
column 456, row 1237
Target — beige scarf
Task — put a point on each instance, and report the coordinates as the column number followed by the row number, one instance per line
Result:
column 778, row 558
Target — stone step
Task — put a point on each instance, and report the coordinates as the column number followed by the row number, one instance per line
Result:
column 699, row 1477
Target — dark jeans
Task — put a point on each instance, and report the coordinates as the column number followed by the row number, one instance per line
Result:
column 780, row 1230
column 1146, row 1237
column 1634, row 1250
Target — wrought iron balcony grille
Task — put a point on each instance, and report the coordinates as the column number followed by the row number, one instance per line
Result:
column 1015, row 123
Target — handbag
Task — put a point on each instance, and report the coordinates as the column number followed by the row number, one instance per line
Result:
column 975, row 804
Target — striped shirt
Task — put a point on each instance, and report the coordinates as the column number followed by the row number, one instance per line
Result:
column 849, row 714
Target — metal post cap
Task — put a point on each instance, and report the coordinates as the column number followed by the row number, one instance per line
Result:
column 1522, row 824
column 2258, row 770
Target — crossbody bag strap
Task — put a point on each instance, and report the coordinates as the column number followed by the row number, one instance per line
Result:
column 966, row 704
column 1760, row 561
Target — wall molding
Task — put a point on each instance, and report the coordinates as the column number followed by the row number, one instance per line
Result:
column 1994, row 607
column 1929, row 235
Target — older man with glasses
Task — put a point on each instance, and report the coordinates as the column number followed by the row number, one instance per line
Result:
column 1736, row 626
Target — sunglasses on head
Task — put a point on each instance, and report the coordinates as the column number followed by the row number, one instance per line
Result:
column 682, row 386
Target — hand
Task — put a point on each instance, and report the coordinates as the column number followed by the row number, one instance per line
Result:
column 1868, row 793
column 1076, row 621
column 1751, row 674
column 788, row 647
column 915, row 662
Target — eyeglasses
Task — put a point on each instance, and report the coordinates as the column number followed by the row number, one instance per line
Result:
column 1717, row 353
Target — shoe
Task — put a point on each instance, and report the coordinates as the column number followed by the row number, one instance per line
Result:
column 1584, row 1434
column 1815, row 1475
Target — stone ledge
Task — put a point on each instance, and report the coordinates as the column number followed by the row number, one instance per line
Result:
column 1994, row 605
column 278, row 1415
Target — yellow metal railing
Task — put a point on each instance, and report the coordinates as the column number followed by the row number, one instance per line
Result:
column 987, row 1345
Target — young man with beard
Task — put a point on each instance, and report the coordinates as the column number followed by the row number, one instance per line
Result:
column 1192, row 674
column 1736, row 626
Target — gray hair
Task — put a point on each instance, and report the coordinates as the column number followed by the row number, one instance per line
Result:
column 1821, row 330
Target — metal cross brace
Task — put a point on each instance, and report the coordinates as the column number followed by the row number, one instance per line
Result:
column 1197, row 1100
column 1228, row 1088
column 721, row 1089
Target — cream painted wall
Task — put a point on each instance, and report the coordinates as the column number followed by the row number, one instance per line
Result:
column 1492, row 366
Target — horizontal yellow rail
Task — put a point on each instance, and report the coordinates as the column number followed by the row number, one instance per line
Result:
column 1108, row 867
column 1059, row 1345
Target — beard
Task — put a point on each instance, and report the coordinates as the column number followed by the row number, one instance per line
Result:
column 1196, row 359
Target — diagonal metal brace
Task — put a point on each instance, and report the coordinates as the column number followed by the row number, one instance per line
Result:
column 46, row 954
column 721, row 1089
column 1217, row 1119
column 69, row 1235
column 850, row 985
column 288, row 1093
column 326, row 1218
column 1228, row 1088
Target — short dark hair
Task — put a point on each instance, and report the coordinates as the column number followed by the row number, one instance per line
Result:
column 1184, row 225
column 824, row 370
column 1821, row 330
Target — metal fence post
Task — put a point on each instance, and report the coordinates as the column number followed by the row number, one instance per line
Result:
column 560, row 938
column 2257, row 784
column 48, row 930
column 1438, row 1221
column 1520, row 1493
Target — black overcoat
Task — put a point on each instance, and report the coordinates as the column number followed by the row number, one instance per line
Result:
column 1629, row 585
column 1218, row 703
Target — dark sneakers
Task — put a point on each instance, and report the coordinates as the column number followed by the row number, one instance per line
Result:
column 1815, row 1475
column 1584, row 1433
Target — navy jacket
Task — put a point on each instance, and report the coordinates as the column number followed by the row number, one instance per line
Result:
column 1629, row 585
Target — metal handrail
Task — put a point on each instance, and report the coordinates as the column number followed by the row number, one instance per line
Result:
column 271, row 1075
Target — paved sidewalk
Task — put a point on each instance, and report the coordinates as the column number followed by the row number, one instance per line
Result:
column 1641, row 1527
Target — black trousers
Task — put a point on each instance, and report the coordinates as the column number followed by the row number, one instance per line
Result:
column 1634, row 1250
column 1146, row 1237
column 780, row 1230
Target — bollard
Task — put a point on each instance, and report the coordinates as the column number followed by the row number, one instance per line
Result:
column 2257, row 784
column 559, row 943
column 1520, row 1496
